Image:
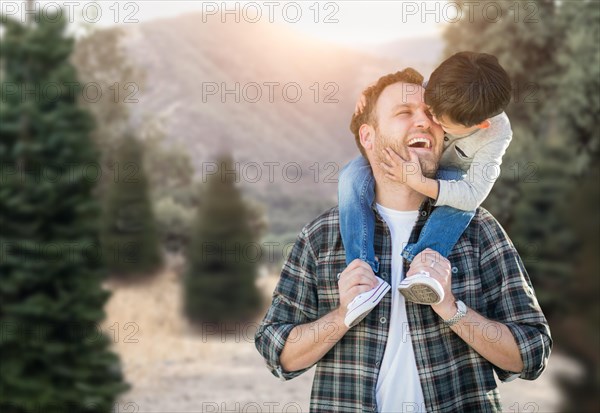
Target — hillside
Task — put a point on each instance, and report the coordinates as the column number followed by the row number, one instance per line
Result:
column 288, row 145
column 425, row 52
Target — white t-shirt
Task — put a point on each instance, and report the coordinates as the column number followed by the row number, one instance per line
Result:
column 398, row 385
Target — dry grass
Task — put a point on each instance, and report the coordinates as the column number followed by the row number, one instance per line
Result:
column 152, row 332
column 176, row 367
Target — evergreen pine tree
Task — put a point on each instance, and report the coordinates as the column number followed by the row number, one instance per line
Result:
column 223, row 255
column 51, row 296
column 578, row 81
column 541, row 231
column 576, row 332
column 129, row 232
column 523, row 36
column 554, row 58
column 578, row 85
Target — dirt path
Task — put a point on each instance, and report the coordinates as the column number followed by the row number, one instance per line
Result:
column 174, row 369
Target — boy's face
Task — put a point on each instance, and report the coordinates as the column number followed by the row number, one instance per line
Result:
column 453, row 128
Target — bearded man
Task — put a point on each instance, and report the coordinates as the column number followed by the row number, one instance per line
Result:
column 403, row 356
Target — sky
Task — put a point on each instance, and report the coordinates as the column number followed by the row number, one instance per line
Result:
column 342, row 22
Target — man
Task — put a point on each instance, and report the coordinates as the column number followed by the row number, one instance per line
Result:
column 404, row 356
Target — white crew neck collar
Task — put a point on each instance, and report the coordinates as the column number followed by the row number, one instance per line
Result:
column 395, row 212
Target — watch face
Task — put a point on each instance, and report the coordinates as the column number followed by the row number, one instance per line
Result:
column 462, row 307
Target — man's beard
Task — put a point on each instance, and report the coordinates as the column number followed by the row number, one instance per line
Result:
column 429, row 165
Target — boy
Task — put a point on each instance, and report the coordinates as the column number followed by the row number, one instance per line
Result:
column 466, row 95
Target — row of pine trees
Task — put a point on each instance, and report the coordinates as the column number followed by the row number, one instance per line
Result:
column 61, row 237
column 51, row 275
column 59, row 240
column 547, row 197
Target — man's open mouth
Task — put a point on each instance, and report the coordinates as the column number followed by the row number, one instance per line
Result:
column 419, row 142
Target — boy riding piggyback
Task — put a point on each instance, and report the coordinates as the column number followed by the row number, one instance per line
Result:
column 466, row 95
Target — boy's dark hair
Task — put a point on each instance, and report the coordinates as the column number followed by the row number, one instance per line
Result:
column 371, row 94
column 468, row 88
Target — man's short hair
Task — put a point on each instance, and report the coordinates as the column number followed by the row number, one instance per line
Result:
column 468, row 88
column 371, row 94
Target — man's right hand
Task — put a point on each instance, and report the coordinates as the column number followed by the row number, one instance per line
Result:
column 357, row 278
column 311, row 341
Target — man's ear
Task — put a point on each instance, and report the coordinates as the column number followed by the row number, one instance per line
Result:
column 485, row 124
column 367, row 136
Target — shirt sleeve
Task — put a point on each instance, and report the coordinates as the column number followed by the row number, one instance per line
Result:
column 468, row 194
column 294, row 302
column 512, row 301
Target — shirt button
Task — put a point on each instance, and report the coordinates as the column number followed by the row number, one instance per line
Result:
column 454, row 270
column 383, row 320
column 378, row 364
column 446, row 138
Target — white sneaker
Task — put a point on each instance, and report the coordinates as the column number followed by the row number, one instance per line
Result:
column 363, row 303
column 421, row 288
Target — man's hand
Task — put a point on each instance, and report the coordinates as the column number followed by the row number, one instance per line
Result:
column 358, row 277
column 502, row 350
column 313, row 340
column 439, row 268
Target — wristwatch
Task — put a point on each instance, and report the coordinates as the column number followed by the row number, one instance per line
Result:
column 460, row 313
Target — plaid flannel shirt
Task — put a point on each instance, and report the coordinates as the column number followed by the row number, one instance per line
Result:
column 487, row 274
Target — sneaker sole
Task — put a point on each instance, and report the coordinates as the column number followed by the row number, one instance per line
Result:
column 365, row 308
column 421, row 294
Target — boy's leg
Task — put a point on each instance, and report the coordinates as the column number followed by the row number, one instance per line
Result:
column 444, row 227
column 356, row 192
column 440, row 233
column 357, row 226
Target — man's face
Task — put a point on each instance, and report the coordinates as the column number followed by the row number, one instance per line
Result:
column 405, row 124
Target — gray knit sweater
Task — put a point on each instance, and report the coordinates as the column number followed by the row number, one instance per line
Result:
column 479, row 155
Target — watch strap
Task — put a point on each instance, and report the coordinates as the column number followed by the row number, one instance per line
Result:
column 456, row 318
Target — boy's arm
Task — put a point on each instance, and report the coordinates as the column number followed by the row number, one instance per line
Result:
column 409, row 172
column 469, row 193
column 427, row 186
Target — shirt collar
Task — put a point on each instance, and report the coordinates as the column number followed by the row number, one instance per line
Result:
column 425, row 209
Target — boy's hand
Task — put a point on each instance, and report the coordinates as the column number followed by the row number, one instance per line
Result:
column 360, row 104
column 400, row 170
column 362, row 101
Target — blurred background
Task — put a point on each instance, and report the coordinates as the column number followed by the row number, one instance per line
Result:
column 158, row 159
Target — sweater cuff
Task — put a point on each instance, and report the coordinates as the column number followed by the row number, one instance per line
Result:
column 442, row 198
